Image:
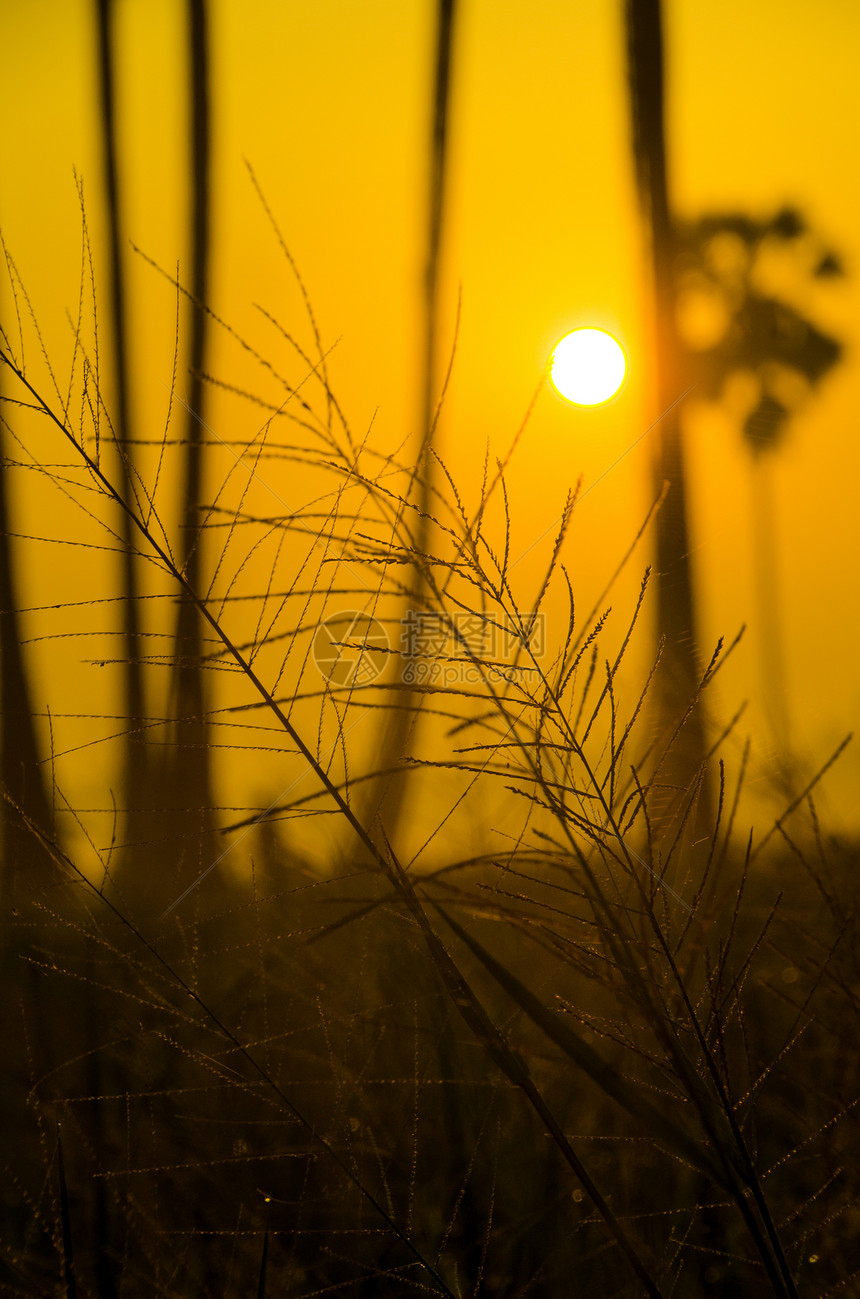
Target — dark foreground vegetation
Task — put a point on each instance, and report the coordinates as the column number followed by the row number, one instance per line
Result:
column 615, row 1055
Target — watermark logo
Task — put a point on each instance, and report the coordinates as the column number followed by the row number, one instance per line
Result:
column 435, row 649
column 465, row 649
column 351, row 648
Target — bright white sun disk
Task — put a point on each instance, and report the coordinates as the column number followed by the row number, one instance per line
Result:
column 588, row 367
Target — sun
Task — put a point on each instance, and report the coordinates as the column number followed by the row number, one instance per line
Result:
column 588, row 367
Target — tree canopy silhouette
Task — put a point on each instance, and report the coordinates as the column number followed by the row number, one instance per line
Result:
column 712, row 318
column 717, row 273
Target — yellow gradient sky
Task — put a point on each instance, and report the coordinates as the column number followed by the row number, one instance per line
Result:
column 328, row 101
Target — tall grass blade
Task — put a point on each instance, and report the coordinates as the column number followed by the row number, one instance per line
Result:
column 264, row 1259
column 66, row 1225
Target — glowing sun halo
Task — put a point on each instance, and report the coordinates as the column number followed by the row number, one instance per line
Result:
column 588, row 367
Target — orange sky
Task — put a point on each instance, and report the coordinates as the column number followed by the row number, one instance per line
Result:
column 327, row 99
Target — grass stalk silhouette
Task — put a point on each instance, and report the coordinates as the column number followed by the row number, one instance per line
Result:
column 460, row 991
column 381, row 1076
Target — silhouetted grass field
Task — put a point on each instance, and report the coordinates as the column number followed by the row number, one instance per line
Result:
column 612, row 1053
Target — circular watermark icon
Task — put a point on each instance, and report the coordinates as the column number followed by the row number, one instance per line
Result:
column 350, row 648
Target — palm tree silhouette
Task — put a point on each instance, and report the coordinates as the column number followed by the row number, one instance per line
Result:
column 753, row 335
column 712, row 265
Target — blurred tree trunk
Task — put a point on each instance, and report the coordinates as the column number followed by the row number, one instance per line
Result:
column 169, row 804
column 680, row 674
column 386, row 795
column 772, row 667
column 136, row 775
column 189, row 762
column 26, row 867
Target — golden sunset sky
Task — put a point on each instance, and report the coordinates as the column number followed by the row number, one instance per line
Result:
column 328, row 100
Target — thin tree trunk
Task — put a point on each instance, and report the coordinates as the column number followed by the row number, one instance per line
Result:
column 774, row 686
column 191, row 765
column 26, row 868
column 438, row 185
column 676, row 621
column 387, row 802
column 136, row 785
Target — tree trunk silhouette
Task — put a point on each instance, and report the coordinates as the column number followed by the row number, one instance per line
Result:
column 168, row 805
column 136, row 776
column 772, row 666
column 676, row 623
column 189, row 761
column 386, row 796
column 26, row 867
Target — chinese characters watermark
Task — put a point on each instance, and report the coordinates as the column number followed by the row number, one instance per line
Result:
column 432, row 648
